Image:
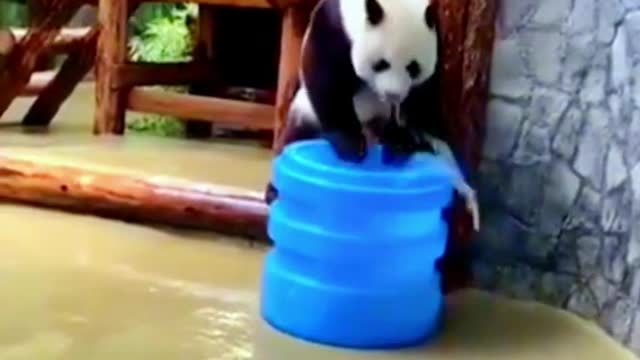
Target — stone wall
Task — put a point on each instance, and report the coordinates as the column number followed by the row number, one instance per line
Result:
column 560, row 177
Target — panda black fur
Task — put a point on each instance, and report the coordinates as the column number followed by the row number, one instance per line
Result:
column 361, row 59
column 370, row 65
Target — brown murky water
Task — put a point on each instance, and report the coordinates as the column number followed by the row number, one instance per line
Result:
column 80, row 287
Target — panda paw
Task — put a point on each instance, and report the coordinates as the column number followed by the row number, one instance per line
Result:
column 349, row 147
column 399, row 145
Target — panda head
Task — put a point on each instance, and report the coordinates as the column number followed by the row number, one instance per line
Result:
column 394, row 44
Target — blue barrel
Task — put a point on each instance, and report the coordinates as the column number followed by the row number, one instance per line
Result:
column 355, row 246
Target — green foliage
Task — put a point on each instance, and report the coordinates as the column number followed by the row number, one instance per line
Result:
column 162, row 34
column 13, row 13
column 165, row 38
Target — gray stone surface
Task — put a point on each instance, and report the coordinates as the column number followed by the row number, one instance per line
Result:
column 503, row 128
column 560, row 179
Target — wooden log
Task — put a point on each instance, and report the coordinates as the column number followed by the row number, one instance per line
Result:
column 158, row 200
column 233, row 112
column 294, row 24
column 143, row 74
column 112, row 50
column 22, row 60
column 478, row 50
column 467, row 34
column 204, row 50
column 73, row 70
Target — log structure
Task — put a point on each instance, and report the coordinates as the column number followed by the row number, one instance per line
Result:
column 117, row 77
column 45, row 37
column 73, row 70
column 157, row 200
column 21, row 62
column 467, row 35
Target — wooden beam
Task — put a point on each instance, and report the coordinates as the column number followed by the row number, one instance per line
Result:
column 112, row 50
column 150, row 199
column 141, row 74
column 21, row 62
column 478, row 50
column 467, row 35
column 73, row 70
column 294, row 24
column 242, row 113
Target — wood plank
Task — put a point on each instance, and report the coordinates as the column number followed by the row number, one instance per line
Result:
column 467, row 34
column 73, row 70
column 294, row 24
column 143, row 74
column 247, row 114
column 22, row 60
column 149, row 199
column 112, row 50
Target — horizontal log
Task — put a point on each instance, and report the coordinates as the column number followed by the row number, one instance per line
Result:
column 152, row 199
column 141, row 74
column 245, row 114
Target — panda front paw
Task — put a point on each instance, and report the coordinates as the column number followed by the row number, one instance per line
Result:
column 399, row 144
column 348, row 147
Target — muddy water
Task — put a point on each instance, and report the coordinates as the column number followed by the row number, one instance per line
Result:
column 80, row 287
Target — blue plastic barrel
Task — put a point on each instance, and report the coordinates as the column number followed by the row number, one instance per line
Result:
column 355, row 246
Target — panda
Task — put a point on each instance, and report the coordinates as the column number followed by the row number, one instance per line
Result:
column 369, row 73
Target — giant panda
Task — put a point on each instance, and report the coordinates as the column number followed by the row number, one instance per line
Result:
column 369, row 71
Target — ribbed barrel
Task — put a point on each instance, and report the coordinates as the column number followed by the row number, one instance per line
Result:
column 355, row 247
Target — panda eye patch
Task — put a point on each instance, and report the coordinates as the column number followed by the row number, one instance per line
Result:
column 381, row 65
column 414, row 69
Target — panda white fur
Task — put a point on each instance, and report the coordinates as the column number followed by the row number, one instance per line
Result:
column 370, row 65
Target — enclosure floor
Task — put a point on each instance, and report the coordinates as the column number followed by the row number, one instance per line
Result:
column 79, row 287
column 69, row 139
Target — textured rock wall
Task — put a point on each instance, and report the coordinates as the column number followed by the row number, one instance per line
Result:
column 560, row 177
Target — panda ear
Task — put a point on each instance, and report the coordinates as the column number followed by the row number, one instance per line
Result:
column 430, row 16
column 375, row 13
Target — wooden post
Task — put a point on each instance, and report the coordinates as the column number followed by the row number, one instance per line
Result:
column 204, row 50
column 76, row 66
column 294, row 24
column 112, row 50
column 467, row 35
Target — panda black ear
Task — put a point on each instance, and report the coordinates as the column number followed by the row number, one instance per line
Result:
column 375, row 13
column 430, row 16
